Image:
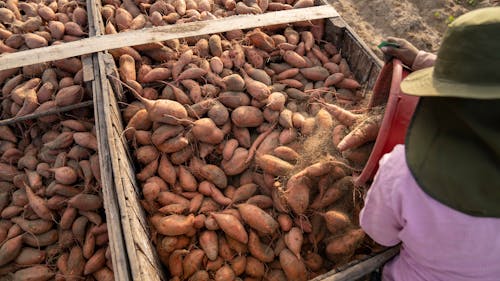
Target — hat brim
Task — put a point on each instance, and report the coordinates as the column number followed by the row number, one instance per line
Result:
column 422, row 83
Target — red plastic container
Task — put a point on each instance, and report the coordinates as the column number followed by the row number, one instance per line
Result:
column 398, row 112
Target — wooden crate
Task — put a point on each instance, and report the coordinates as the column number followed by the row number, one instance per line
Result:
column 93, row 81
column 143, row 260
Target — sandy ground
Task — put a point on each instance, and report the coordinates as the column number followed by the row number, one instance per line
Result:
column 422, row 22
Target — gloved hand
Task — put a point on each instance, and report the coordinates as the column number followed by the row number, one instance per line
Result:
column 406, row 51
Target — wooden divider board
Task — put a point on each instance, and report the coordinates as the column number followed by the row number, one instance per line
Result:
column 93, row 72
column 161, row 33
column 120, row 261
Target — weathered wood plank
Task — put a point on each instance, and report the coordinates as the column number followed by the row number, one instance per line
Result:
column 360, row 269
column 121, row 266
column 56, row 110
column 161, row 33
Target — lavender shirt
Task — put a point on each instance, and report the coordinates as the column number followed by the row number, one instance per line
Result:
column 438, row 243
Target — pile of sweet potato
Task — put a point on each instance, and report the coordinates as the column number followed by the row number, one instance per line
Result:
column 137, row 14
column 52, row 222
column 42, row 87
column 235, row 141
column 34, row 24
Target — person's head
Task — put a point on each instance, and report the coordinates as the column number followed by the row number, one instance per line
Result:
column 453, row 142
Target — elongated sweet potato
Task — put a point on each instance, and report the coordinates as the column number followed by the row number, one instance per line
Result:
column 173, row 225
column 258, row 218
column 37, row 272
column 273, row 165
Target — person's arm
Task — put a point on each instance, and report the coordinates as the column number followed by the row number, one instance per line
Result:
column 409, row 54
column 380, row 218
column 423, row 60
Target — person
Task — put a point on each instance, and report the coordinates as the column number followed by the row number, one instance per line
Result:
column 438, row 195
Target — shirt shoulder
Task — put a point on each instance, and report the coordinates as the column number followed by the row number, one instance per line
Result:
column 393, row 168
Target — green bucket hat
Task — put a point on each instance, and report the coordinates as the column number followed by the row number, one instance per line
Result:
column 468, row 60
column 453, row 141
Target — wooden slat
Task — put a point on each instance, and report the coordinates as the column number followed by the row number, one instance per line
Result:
column 121, row 267
column 56, row 110
column 161, row 33
column 360, row 269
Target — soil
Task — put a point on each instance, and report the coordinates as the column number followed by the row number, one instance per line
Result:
column 422, row 22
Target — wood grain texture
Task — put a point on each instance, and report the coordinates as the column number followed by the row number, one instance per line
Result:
column 162, row 33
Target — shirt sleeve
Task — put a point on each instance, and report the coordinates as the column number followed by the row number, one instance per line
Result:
column 423, row 60
column 379, row 218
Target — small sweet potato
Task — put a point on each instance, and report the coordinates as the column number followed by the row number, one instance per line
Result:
column 294, row 268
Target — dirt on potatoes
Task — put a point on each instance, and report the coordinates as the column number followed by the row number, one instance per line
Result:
column 422, row 22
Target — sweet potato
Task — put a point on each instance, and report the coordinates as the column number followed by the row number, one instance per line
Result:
column 104, row 274
column 236, row 246
column 38, row 226
column 231, row 226
column 313, row 261
column 261, row 40
column 336, row 221
column 256, row 89
column 259, row 250
column 234, row 82
column 10, row 249
column 254, row 267
column 293, row 240
column 297, row 194
column 315, row 73
column 244, row 192
column 258, row 218
column 76, row 263
column 127, row 68
column 275, row 275
column 294, row 59
column 192, row 262
column 95, row 262
column 209, row 244
column 236, row 164
column 33, row 41
column 173, row 225
column 45, row 239
column 285, row 222
column 224, row 273
column 273, row 165
column 65, row 175
column 200, row 275
column 162, row 110
column 205, row 130
column 238, row 264
column 342, row 247
column 293, row 268
column 366, row 131
column 69, row 95
column 167, row 197
column 86, row 202
column 38, row 205
column 333, row 193
column 37, row 272
column 30, row 256
column 224, row 250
